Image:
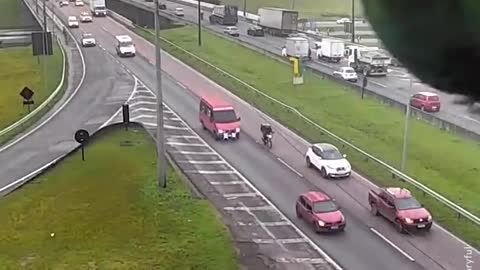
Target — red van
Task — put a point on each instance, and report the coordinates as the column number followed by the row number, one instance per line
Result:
column 219, row 118
column 426, row 101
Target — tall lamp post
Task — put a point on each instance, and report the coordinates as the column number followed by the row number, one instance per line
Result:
column 245, row 8
column 162, row 179
column 199, row 22
column 405, row 134
column 353, row 21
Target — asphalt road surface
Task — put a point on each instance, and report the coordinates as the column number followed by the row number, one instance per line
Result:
column 281, row 173
column 395, row 86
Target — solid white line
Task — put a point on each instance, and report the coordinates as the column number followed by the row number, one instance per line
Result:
column 209, row 172
column 280, row 241
column 239, row 195
column 392, row 244
column 143, row 109
column 147, row 97
column 301, row 260
column 182, row 136
column 194, row 153
column 201, row 162
column 278, row 223
column 379, row 84
column 243, row 208
column 142, row 103
column 225, row 183
column 186, row 144
column 174, row 127
column 61, row 106
column 289, row 167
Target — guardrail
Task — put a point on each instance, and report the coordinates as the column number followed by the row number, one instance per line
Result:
column 456, row 208
column 48, row 100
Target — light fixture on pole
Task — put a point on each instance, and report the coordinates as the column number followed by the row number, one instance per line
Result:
column 162, row 179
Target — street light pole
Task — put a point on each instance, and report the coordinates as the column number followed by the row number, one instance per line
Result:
column 405, row 135
column 199, row 23
column 162, row 179
column 245, row 8
column 45, row 55
column 353, row 21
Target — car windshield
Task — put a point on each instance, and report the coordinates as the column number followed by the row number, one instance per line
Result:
column 332, row 154
column 126, row 44
column 325, row 206
column 409, row 203
column 227, row 116
column 99, row 8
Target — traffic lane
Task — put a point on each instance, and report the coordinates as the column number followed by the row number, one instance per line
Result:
column 355, row 239
column 92, row 105
column 279, row 184
column 137, row 42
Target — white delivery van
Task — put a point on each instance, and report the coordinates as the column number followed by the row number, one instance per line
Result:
column 125, row 46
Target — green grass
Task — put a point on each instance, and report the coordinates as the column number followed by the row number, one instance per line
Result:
column 307, row 8
column 442, row 161
column 109, row 213
column 12, row 14
column 18, row 68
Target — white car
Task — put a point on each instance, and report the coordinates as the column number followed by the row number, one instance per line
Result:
column 179, row 12
column 85, row 17
column 327, row 158
column 346, row 73
column 72, row 22
column 88, row 40
column 125, row 46
column 232, row 31
column 343, row 20
column 63, row 3
column 79, row 3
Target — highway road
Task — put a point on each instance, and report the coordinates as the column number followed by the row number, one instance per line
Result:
column 395, row 86
column 93, row 95
column 368, row 243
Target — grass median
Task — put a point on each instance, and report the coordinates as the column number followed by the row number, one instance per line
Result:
column 18, row 68
column 109, row 213
column 440, row 160
column 307, row 8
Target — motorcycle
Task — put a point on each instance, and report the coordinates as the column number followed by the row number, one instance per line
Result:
column 268, row 141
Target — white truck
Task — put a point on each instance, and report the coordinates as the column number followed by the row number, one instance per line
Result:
column 278, row 21
column 330, row 50
column 368, row 61
column 297, row 47
column 98, row 8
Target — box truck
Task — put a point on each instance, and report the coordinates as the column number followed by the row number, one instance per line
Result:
column 330, row 50
column 297, row 47
column 98, row 8
column 278, row 21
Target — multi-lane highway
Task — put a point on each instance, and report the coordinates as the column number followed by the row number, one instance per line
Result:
column 395, row 86
column 368, row 243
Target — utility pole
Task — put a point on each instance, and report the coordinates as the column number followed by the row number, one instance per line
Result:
column 405, row 135
column 45, row 55
column 293, row 4
column 199, row 23
column 353, row 21
column 245, row 8
column 162, row 179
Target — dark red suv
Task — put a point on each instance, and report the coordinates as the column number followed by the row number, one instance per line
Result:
column 319, row 210
column 426, row 101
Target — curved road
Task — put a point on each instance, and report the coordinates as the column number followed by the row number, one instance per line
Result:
column 395, row 86
column 359, row 248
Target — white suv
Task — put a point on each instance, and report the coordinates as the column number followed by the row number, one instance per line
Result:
column 85, row 17
column 327, row 158
column 232, row 31
column 72, row 22
column 88, row 40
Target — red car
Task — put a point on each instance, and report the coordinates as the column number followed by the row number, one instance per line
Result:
column 219, row 118
column 400, row 207
column 426, row 101
column 319, row 210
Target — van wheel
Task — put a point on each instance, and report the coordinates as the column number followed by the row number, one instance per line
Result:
column 399, row 226
column 203, row 125
column 215, row 136
column 373, row 209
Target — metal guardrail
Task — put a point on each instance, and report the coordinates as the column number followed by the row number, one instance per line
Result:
column 459, row 210
column 45, row 103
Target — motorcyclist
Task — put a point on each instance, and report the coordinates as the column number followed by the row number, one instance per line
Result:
column 266, row 129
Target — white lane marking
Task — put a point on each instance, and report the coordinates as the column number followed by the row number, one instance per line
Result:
column 201, row 162
column 61, row 106
column 174, row 127
column 226, row 183
column 146, row 97
column 209, row 172
column 142, row 103
column 392, row 244
column 193, row 153
column 290, row 167
column 471, row 119
column 185, row 144
column 379, row 84
column 277, row 223
column 253, row 208
column 300, row 260
column 143, row 109
column 240, row 195
column 280, row 241
column 181, row 85
column 182, row 136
